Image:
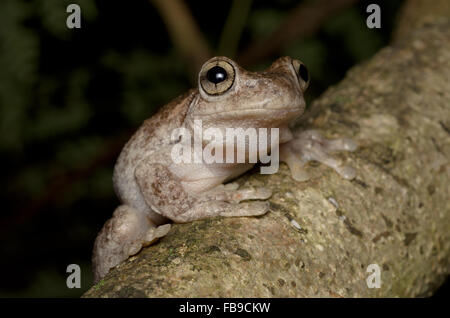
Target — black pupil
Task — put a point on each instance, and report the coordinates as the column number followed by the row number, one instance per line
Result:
column 303, row 72
column 216, row 75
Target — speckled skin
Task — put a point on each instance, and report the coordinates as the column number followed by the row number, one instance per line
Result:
column 154, row 190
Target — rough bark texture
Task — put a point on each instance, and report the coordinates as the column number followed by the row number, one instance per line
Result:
column 417, row 13
column 395, row 214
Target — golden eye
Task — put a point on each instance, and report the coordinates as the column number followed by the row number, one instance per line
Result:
column 216, row 77
column 302, row 74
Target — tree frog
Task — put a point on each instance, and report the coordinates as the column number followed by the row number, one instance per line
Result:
column 155, row 190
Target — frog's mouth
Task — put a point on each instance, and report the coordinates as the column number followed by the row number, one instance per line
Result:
column 263, row 113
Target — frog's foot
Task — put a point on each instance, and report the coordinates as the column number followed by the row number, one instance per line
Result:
column 208, row 209
column 310, row 145
column 230, row 193
column 122, row 236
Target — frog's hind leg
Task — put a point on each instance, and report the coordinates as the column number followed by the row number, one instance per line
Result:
column 122, row 236
column 310, row 145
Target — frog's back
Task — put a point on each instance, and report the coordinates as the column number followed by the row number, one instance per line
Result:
column 153, row 134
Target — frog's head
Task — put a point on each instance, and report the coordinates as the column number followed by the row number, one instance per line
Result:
column 230, row 96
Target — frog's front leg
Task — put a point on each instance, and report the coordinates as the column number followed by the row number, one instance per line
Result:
column 170, row 196
column 310, row 145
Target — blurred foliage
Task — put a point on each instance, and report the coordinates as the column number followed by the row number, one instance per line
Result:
column 140, row 71
column 65, row 94
column 263, row 21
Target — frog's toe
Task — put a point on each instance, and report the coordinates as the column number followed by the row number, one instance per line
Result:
column 350, row 145
column 346, row 172
column 299, row 174
column 260, row 193
column 154, row 233
column 251, row 208
column 344, row 144
column 231, row 186
column 254, row 208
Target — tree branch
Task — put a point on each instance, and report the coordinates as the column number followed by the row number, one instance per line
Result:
column 184, row 32
column 234, row 25
column 416, row 13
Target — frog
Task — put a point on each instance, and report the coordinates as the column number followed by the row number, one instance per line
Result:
column 155, row 191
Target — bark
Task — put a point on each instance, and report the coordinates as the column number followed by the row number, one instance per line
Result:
column 418, row 13
column 395, row 214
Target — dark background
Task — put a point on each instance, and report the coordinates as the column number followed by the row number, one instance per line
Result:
column 69, row 99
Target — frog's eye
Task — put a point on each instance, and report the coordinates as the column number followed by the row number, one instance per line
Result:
column 216, row 77
column 302, row 74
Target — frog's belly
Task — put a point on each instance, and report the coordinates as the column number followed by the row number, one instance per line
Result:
column 197, row 178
